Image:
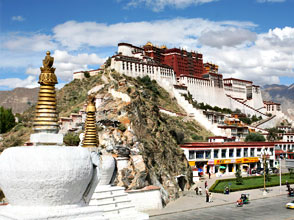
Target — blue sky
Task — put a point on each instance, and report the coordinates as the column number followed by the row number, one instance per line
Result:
column 248, row 39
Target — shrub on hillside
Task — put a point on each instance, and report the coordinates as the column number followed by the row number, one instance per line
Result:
column 254, row 137
column 71, row 139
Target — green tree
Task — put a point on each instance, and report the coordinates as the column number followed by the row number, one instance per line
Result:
column 87, row 74
column 239, row 178
column 7, row 120
column 253, row 137
column 272, row 134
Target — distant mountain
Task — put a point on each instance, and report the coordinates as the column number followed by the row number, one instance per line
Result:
column 19, row 99
column 281, row 94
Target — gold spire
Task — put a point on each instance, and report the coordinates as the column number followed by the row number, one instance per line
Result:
column 46, row 117
column 90, row 138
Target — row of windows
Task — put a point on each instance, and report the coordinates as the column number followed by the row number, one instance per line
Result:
column 222, row 153
column 139, row 67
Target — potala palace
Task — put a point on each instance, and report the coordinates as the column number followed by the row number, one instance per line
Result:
column 181, row 72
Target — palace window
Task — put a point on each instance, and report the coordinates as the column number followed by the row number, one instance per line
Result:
column 231, row 153
column 238, row 152
column 215, row 153
column 224, row 151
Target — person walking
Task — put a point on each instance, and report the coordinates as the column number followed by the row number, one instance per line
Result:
column 207, row 197
column 196, row 190
column 210, row 197
column 209, row 174
column 200, row 190
column 205, row 184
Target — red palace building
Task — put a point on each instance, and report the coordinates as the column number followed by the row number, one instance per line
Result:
column 182, row 61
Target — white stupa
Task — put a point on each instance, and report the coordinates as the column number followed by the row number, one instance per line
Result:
column 47, row 181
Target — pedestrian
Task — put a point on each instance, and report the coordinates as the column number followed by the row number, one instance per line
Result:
column 210, row 197
column 200, row 190
column 207, row 197
column 196, row 190
column 205, row 184
column 209, row 174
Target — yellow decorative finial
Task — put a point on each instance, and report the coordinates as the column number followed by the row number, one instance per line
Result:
column 90, row 138
column 46, row 117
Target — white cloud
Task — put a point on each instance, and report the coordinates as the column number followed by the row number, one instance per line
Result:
column 29, row 82
column 66, row 64
column 233, row 45
column 228, row 37
column 176, row 32
column 29, row 42
column 159, row 5
column 17, row 18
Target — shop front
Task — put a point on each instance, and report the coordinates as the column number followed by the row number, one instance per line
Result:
column 226, row 166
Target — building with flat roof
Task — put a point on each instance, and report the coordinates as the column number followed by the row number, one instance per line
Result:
column 223, row 158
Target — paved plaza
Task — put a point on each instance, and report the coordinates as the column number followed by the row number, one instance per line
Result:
column 272, row 208
column 190, row 205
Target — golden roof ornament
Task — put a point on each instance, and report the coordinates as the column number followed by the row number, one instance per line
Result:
column 46, row 117
column 90, row 137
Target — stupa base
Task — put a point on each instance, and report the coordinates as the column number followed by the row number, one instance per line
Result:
column 44, row 213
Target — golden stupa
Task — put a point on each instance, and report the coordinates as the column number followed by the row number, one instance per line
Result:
column 90, row 138
column 46, row 117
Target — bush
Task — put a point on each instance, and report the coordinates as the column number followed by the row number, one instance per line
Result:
column 254, row 137
column 86, row 74
column 71, row 139
column 239, row 178
column 122, row 127
column 178, row 136
column 195, row 137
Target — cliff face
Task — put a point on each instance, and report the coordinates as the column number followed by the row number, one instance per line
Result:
column 19, row 99
column 129, row 118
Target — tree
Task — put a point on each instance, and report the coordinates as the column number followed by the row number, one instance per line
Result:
column 239, row 178
column 254, row 137
column 7, row 120
column 273, row 134
column 87, row 74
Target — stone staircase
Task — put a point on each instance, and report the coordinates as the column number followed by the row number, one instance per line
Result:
column 115, row 203
column 258, row 123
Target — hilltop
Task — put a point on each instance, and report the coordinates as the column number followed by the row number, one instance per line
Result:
column 133, row 106
column 19, row 99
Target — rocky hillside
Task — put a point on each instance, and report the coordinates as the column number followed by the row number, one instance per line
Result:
column 129, row 118
column 281, row 94
column 19, row 99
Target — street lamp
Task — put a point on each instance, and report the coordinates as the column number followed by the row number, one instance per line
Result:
column 280, row 166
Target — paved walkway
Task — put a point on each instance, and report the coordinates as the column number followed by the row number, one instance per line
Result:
column 190, row 201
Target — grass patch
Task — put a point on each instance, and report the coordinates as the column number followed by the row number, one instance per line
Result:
column 253, row 182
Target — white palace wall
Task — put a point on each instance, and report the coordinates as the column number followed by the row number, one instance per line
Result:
column 165, row 77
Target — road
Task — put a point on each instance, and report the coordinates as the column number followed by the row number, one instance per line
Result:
column 268, row 209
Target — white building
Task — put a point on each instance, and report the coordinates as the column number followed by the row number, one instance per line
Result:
column 224, row 158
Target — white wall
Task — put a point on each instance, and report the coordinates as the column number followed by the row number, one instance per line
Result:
column 144, row 200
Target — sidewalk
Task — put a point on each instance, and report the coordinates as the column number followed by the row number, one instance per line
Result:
column 190, row 201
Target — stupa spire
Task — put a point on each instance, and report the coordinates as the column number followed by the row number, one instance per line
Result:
column 90, row 138
column 46, row 117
